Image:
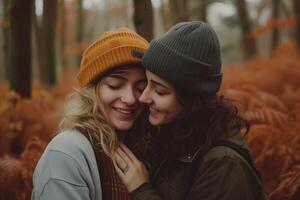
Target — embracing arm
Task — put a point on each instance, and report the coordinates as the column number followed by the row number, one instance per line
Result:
column 221, row 178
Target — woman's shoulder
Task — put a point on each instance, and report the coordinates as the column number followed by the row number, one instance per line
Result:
column 233, row 147
column 219, row 152
column 68, row 152
column 69, row 162
column 71, row 145
column 227, row 157
column 71, row 142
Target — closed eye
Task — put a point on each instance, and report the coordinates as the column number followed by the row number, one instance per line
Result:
column 114, row 87
column 160, row 90
column 160, row 93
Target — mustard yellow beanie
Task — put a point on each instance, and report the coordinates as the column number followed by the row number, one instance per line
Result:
column 112, row 49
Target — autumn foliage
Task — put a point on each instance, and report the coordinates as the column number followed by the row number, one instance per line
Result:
column 26, row 127
column 266, row 91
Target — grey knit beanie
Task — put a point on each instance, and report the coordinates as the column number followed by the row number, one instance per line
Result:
column 188, row 56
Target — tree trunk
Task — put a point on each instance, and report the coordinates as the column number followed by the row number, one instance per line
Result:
column 20, row 46
column 49, row 27
column 39, row 46
column 183, row 7
column 179, row 10
column 166, row 14
column 203, row 10
column 62, row 34
column 6, row 40
column 248, row 42
column 143, row 18
column 296, row 5
column 275, row 31
column 79, row 35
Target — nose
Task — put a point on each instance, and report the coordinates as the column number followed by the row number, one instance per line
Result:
column 145, row 96
column 129, row 97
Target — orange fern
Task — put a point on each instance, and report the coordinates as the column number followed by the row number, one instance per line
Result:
column 289, row 187
column 267, row 116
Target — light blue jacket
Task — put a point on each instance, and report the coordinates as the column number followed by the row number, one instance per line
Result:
column 67, row 170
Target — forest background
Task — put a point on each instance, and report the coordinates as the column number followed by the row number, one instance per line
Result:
column 41, row 43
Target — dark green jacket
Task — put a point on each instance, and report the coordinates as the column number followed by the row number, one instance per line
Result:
column 221, row 174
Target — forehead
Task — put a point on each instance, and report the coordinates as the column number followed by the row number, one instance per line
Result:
column 125, row 70
column 132, row 74
column 153, row 77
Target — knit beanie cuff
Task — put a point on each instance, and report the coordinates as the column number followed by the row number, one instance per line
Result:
column 113, row 49
column 171, row 66
column 114, row 58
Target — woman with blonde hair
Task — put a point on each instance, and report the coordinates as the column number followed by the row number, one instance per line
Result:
column 77, row 163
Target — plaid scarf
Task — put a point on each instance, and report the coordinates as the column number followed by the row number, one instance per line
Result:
column 111, row 184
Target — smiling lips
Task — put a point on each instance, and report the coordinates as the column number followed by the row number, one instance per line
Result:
column 153, row 111
column 125, row 114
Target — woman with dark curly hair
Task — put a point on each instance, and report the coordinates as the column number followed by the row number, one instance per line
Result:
column 199, row 151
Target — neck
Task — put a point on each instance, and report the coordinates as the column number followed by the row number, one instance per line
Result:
column 121, row 135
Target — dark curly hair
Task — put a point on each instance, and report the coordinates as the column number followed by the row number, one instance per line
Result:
column 205, row 121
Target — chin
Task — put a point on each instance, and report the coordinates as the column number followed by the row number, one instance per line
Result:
column 123, row 126
column 155, row 122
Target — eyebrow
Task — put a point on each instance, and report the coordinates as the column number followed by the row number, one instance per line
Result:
column 117, row 77
column 125, row 79
column 159, row 84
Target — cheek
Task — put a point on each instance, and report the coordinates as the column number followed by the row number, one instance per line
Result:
column 107, row 96
column 162, row 103
column 174, row 109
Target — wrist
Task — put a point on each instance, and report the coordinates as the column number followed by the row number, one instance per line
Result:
column 140, row 187
column 136, row 184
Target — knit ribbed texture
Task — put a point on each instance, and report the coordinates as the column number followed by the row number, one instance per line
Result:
column 112, row 49
column 188, row 56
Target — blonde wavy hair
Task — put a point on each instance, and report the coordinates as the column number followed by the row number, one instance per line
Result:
column 85, row 112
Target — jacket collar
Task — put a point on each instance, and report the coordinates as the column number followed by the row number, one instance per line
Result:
column 186, row 157
column 190, row 157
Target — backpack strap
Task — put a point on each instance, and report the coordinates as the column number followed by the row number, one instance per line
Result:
column 244, row 153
